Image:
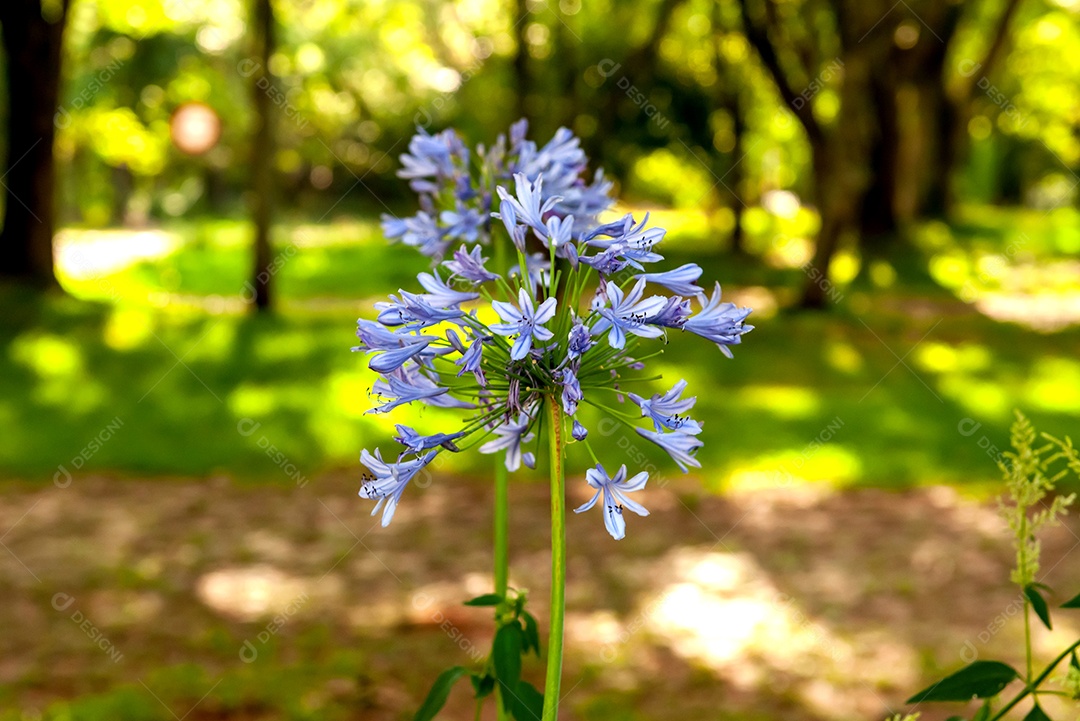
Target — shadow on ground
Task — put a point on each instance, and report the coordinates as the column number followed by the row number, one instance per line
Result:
column 133, row 600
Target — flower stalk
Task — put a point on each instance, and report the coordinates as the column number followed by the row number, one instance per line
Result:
column 557, row 447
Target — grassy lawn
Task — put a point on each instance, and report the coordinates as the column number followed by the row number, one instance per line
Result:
column 151, row 364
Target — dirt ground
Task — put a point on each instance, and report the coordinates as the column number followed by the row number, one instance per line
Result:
column 207, row 599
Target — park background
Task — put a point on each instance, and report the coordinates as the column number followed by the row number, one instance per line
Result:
column 892, row 188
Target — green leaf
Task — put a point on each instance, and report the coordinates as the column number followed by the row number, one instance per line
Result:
column 483, row 685
column 532, row 633
column 980, row 679
column 506, row 654
column 488, row 599
column 1073, row 662
column 1036, row 714
column 1073, row 602
column 440, row 691
column 527, row 703
column 1039, row 604
column 983, row 713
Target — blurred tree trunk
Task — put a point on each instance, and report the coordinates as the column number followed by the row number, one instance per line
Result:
column 840, row 152
column 569, row 74
column 521, row 61
column 262, row 152
column 877, row 214
column 33, row 39
column 950, row 134
column 637, row 68
column 732, row 81
column 736, row 173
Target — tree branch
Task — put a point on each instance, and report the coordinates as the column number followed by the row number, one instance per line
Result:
column 1001, row 35
column 997, row 45
column 759, row 38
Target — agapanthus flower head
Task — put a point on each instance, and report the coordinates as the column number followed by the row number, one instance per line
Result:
column 557, row 328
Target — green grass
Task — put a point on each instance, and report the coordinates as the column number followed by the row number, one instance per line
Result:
column 163, row 352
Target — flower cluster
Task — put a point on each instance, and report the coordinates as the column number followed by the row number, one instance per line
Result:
column 561, row 327
column 455, row 205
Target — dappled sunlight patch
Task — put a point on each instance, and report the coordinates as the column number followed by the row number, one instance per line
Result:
column 983, row 398
column 721, row 609
column 1054, row 385
column 248, row 593
column 1043, row 312
column 58, row 363
column 127, row 328
column 48, row 356
column 251, row 401
column 770, row 473
column 789, row 402
column 843, row 356
column 947, row 358
column 845, row 266
column 763, row 300
column 83, row 254
column 789, row 252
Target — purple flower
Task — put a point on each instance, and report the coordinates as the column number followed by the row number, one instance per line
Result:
column 470, row 266
column 432, row 157
column 579, row 432
column 673, row 315
column 681, row 281
column 471, row 359
column 585, row 202
column 614, row 491
column 524, row 322
column 387, row 481
column 464, row 223
column 511, row 435
column 416, row 443
column 397, row 348
column 406, row 385
column 608, row 262
column 440, row 295
column 393, row 227
column 628, row 314
column 580, row 340
column 413, row 311
column 420, row 231
column 668, row 410
column 679, row 446
column 722, row 323
column 571, row 391
column 391, row 360
column 529, row 205
column 636, row 237
column 559, row 231
column 632, row 244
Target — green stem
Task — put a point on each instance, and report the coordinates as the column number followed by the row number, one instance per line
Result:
column 1035, row 683
column 502, row 528
column 1023, row 564
column 502, row 506
column 558, row 564
column 1027, row 637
